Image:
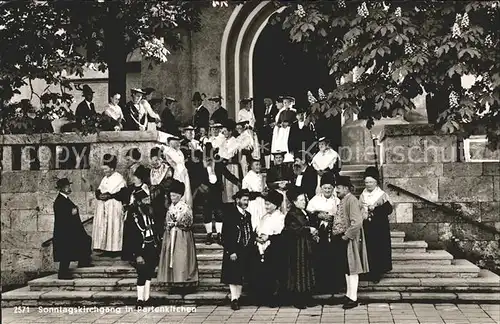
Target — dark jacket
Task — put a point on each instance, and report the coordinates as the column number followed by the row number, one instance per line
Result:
column 220, row 115
column 309, row 181
column 302, row 138
column 83, row 111
column 129, row 113
column 201, row 117
column 280, row 172
column 168, row 122
column 71, row 241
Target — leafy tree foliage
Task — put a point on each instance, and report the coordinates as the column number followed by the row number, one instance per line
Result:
column 404, row 48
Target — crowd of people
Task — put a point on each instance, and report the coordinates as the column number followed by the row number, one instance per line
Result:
column 286, row 233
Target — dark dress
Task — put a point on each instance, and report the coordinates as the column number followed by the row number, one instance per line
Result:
column 378, row 240
column 309, row 181
column 302, row 138
column 160, row 200
column 129, row 114
column 237, row 237
column 71, row 242
column 201, row 117
column 83, row 111
column 280, row 172
column 299, row 247
column 219, row 116
column 168, row 122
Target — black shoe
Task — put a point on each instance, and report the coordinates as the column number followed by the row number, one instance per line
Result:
column 64, row 276
column 139, row 304
column 85, row 265
column 350, row 304
column 209, row 239
column 235, row 305
column 300, row 305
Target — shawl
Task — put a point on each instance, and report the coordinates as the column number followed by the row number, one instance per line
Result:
column 216, row 140
column 253, row 181
column 113, row 183
column 175, row 158
column 246, row 115
column 325, row 160
column 370, row 198
column 228, row 148
column 157, row 175
column 114, row 111
column 271, row 224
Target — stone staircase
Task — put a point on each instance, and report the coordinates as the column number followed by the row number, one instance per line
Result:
column 418, row 275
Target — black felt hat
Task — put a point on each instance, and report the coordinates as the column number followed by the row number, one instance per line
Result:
column 87, row 89
column 344, row 181
column 274, row 198
column 197, row 97
column 372, row 172
column 177, row 187
column 294, row 192
column 246, row 100
column 328, row 178
column 63, row 182
column 110, row 160
column 142, row 173
column 241, row 193
column 134, row 153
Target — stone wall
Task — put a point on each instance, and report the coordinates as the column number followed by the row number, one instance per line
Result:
column 425, row 163
column 27, row 195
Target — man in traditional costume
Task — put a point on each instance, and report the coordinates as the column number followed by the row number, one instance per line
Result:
column 169, row 124
column 376, row 211
column 254, row 182
column 305, row 177
column 229, row 165
column 326, row 160
column 302, row 134
column 279, row 177
column 142, row 242
column 268, row 261
column 348, row 222
column 331, row 249
column 175, row 158
column 134, row 114
column 86, row 108
column 133, row 158
column 160, row 178
column 266, row 131
column 107, row 232
column 220, row 113
column 71, row 242
column 238, row 241
column 271, row 110
column 178, row 266
column 246, row 112
column 201, row 113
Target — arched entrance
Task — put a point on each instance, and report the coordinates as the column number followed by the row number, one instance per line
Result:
column 257, row 60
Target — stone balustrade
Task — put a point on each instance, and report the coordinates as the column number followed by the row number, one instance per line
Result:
column 31, row 164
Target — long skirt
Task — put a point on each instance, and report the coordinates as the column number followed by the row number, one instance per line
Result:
column 256, row 208
column 182, row 175
column 378, row 245
column 229, row 188
column 265, row 273
column 236, row 272
column 300, row 276
column 107, row 231
column 178, row 264
column 331, row 263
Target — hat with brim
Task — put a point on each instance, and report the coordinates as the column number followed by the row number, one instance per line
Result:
column 142, row 173
column 274, row 198
column 242, row 123
column 170, row 99
column 288, row 98
column 197, row 97
column 188, row 128
column 241, row 193
column 216, row 98
column 173, row 138
column 230, row 124
column 63, row 182
column 246, row 100
column 279, row 99
column 282, row 153
column 344, row 181
column 86, row 89
column 217, row 125
column 177, row 187
column 324, row 139
column 137, row 90
column 148, row 90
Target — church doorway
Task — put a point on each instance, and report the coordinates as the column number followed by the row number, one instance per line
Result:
column 284, row 68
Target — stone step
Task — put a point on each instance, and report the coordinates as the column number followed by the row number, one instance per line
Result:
column 355, row 167
column 485, row 282
column 25, row 297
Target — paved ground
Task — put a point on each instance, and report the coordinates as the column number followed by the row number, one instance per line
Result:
column 372, row 313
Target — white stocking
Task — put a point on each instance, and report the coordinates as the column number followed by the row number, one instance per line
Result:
column 140, row 292
column 234, row 292
column 353, row 282
column 348, row 285
column 240, row 288
column 147, row 288
column 218, row 227
column 208, row 227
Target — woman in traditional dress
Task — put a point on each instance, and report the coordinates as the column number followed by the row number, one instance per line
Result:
column 176, row 159
column 326, row 160
column 107, row 232
column 254, row 182
column 142, row 243
column 114, row 114
column 160, row 179
column 300, row 236
column 178, row 265
column 153, row 118
column 376, row 211
column 267, row 260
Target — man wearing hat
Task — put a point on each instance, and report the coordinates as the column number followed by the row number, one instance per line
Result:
column 201, row 113
column 71, row 242
column 238, row 240
column 305, row 177
column 246, row 112
column 328, row 255
column 86, row 108
column 348, row 224
column 302, row 134
column 279, row 177
column 169, row 124
column 220, row 113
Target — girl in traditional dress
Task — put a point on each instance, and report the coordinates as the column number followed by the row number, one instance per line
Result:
column 301, row 235
column 160, row 178
column 115, row 114
column 376, row 211
column 107, row 232
column 254, row 182
column 178, row 265
column 153, row 118
column 326, row 160
column 247, row 145
column 142, row 240
column 229, row 165
column 176, row 159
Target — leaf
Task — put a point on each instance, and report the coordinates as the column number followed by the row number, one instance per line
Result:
column 383, row 30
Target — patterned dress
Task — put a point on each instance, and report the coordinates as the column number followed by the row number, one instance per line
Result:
column 178, row 264
column 176, row 159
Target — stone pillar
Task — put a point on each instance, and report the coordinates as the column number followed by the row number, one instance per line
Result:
column 7, row 158
column 28, row 156
column 45, row 157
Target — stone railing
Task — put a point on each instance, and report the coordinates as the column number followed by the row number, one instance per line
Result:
column 31, row 164
column 420, row 161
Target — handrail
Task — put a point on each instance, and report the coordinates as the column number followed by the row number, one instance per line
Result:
column 447, row 210
column 47, row 243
